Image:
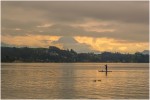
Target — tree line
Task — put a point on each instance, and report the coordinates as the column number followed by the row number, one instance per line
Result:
column 54, row 54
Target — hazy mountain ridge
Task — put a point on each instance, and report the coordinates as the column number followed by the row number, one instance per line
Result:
column 145, row 52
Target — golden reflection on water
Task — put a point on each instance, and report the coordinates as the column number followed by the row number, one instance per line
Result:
column 71, row 81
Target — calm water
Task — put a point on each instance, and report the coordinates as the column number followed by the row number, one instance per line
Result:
column 74, row 81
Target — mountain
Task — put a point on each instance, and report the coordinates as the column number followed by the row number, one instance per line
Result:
column 145, row 52
column 69, row 42
column 5, row 45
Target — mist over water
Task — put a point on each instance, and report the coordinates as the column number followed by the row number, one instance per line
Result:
column 74, row 81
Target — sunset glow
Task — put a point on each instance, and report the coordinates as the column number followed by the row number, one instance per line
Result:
column 31, row 40
column 81, row 26
column 108, row 44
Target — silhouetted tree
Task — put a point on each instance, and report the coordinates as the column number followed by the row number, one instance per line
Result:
column 54, row 54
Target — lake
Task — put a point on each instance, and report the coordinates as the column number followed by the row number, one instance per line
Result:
column 74, row 81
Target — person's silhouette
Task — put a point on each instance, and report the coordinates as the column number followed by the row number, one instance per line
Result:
column 106, row 67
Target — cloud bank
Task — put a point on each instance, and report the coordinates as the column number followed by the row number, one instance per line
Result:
column 124, row 22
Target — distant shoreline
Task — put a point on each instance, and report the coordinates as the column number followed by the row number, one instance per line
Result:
column 57, row 55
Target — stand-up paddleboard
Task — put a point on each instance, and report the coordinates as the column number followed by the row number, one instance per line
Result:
column 104, row 71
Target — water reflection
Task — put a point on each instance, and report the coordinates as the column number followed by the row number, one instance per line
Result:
column 67, row 82
column 73, row 81
column 106, row 73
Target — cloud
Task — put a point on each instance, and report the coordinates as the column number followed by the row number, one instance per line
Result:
column 30, row 40
column 90, row 27
column 109, row 44
column 123, row 21
column 95, row 26
column 17, row 29
column 45, row 25
column 127, row 11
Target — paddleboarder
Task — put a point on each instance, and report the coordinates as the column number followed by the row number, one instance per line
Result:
column 106, row 67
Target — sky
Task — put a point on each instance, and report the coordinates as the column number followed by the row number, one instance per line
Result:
column 84, row 26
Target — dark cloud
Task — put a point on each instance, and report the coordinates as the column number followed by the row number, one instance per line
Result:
column 130, row 19
column 126, row 11
column 132, row 33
